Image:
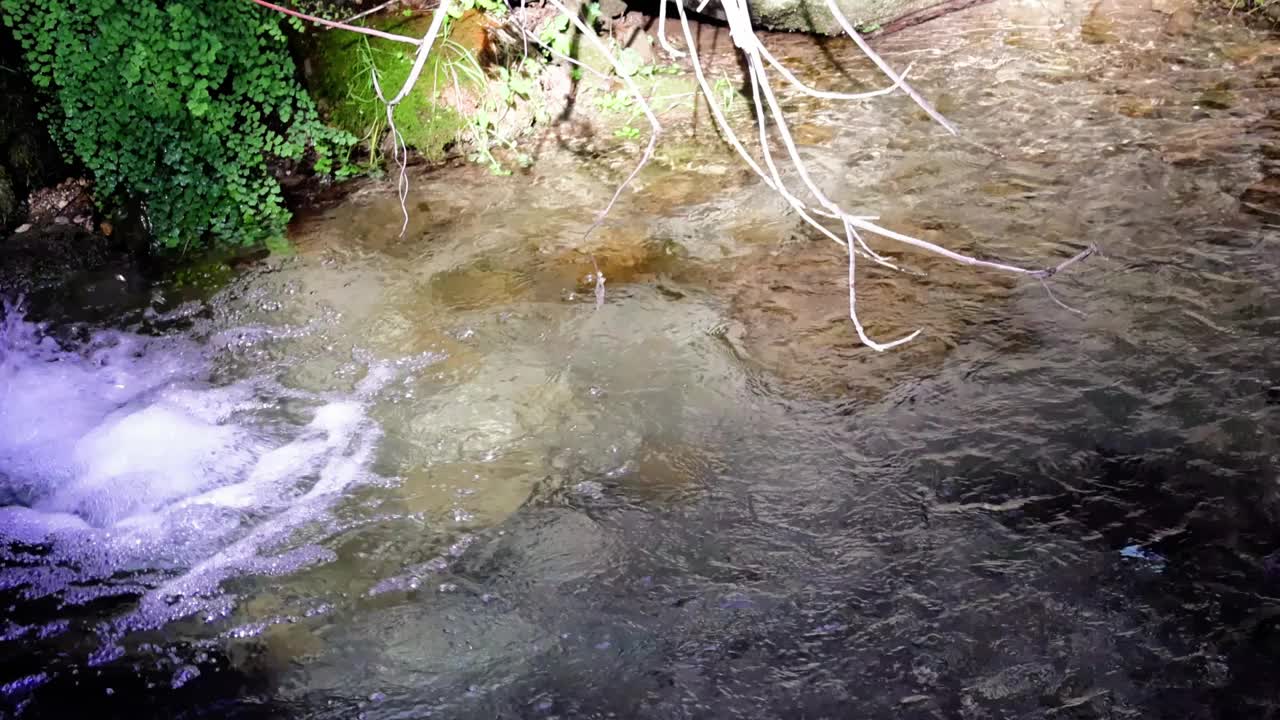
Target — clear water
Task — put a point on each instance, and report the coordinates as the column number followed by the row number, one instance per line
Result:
column 428, row 476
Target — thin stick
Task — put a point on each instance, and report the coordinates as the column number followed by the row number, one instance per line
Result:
column 1054, row 298
column 529, row 36
column 662, row 30
column 827, row 94
column 709, row 94
column 634, row 90
column 887, row 70
column 732, row 137
column 1093, row 248
column 853, row 301
column 523, row 35
column 370, row 11
column 400, row 149
column 791, row 199
column 334, row 24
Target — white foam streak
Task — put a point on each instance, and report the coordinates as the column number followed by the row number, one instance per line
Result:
column 118, row 455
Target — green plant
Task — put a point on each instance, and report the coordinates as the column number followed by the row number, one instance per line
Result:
column 520, row 83
column 183, row 106
column 457, row 8
column 558, row 32
column 616, row 102
column 654, row 69
column 626, row 133
column 725, row 92
column 512, row 85
column 629, row 62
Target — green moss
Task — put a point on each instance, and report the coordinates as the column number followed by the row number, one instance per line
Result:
column 207, row 276
column 341, row 80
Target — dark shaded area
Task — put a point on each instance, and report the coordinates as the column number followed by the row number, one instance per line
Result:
column 727, row 608
column 144, row 688
column 28, row 157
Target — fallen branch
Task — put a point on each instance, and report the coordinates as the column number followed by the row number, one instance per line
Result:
column 399, row 149
column 335, row 24
column 662, row 31
column 834, row 7
column 656, row 127
column 758, row 59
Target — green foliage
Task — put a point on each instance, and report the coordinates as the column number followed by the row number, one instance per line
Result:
column 627, row 133
column 181, row 105
column 629, row 62
column 457, row 8
column 725, row 92
column 512, row 85
column 520, row 83
column 617, row 102
column 558, row 33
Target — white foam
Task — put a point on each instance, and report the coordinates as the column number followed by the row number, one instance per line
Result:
column 119, row 454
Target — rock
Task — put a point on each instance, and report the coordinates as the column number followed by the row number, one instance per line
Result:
column 66, row 272
column 1180, row 22
column 612, row 8
column 70, row 198
column 1217, row 98
column 1263, row 196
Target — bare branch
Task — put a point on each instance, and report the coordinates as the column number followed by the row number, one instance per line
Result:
column 827, row 94
column 886, row 69
column 371, row 11
column 334, row 24
column 591, row 37
column 662, row 30
column 850, row 234
column 400, row 150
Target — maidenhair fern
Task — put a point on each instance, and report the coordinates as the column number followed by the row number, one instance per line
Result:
column 178, row 105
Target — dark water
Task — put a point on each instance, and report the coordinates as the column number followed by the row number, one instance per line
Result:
column 428, row 477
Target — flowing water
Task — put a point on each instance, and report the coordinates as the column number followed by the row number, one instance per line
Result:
column 430, row 476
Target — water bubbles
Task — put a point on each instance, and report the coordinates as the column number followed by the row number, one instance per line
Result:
column 184, row 675
column 590, row 489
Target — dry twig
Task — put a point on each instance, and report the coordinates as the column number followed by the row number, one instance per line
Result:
column 757, row 59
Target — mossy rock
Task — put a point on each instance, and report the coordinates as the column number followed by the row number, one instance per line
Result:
column 340, row 66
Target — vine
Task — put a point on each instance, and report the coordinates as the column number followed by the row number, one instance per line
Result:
column 181, row 106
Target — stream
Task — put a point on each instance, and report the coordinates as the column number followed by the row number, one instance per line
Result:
column 431, row 475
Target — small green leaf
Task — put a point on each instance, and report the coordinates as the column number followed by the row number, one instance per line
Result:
column 629, row 62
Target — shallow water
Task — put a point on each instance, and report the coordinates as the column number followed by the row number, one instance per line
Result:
column 429, row 476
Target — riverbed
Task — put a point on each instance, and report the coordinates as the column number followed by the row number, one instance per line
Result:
column 435, row 474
